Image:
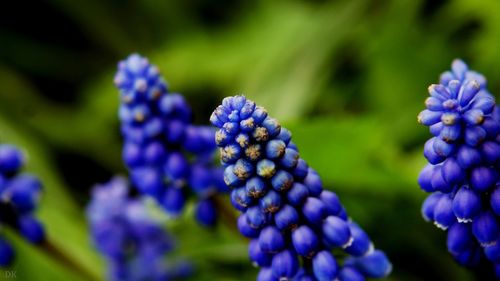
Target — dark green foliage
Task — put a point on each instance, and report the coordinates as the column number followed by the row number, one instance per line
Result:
column 346, row 77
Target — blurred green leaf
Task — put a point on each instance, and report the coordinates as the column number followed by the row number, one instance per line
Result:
column 32, row 264
column 353, row 153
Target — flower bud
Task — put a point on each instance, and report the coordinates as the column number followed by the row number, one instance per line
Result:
column 486, row 228
column 243, row 169
column 425, row 178
column 443, row 213
column 240, row 199
column 313, row 183
column 451, row 171
column 266, row 168
column 429, row 206
column 11, row 158
column 483, row 178
column 361, row 244
column 474, row 135
column 255, row 217
column 257, row 255
column 466, row 204
column 256, row 187
column 285, row 265
column 282, row 181
column 437, row 181
column 271, row 202
column 266, row 274
column 490, row 151
column 31, row 229
column 290, row 159
column 24, row 192
column 173, row 201
column 332, row 202
column 460, row 238
column 305, row 241
column 314, row 210
column 430, row 154
column 374, row 265
column 349, row 273
column 336, row 232
column 245, row 228
column 275, row 149
column 324, row 266
column 6, row 253
column 177, row 166
column 428, row 117
column 468, row 157
column 286, row 218
column 297, row 194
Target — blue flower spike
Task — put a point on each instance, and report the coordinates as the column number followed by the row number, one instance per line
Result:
column 169, row 158
column 294, row 224
column 19, row 197
column 125, row 232
column 463, row 174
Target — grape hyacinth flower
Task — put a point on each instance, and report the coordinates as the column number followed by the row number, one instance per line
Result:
column 133, row 241
column 168, row 157
column 464, row 165
column 19, row 197
column 294, row 225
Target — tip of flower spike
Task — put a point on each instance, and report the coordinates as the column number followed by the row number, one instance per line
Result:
column 138, row 80
column 234, row 102
column 458, row 62
column 439, row 91
column 459, row 68
column 135, row 62
column 241, row 120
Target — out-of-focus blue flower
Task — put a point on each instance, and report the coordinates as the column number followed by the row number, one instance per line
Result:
column 463, row 173
column 169, row 158
column 293, row 223
column 133, row 241
column 19, row 197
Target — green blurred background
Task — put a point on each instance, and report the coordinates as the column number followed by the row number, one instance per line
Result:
column 346, row 77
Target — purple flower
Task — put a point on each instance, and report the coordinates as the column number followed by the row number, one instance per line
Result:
column 169, row 157
column 464, row 169
column 19, row 197
column 125, row 231
column 294, row 224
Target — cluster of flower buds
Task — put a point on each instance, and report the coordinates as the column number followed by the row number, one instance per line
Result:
column 463, row 173
column 168, row 157
column 294, row 225
column 129, row 236
column 19, row 197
